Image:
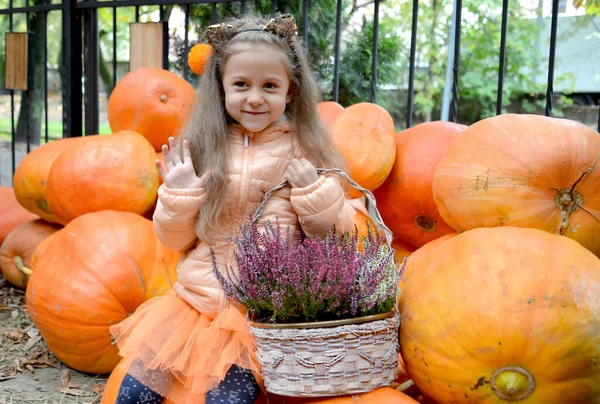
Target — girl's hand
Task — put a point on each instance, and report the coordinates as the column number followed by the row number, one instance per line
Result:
column 301, row 173
column 180, row 174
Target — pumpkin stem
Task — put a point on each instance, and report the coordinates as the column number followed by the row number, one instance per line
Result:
column 425, row 223
column 25, row 272
column 163, row 98
column 405, row 386
column 568, row 200
column 512, row 383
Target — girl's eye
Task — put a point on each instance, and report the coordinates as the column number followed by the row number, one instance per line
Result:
column 270, row 86
column 239, row 84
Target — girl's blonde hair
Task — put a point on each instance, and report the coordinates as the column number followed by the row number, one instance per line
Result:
column 207, row 131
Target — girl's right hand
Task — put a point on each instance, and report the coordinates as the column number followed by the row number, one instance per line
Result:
column 180, row 174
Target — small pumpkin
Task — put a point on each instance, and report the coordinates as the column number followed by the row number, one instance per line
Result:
column 18, row 248
column 31, row 176
column 114, row 172
column 381, row 395
column 364, row 134
column 90, row 275
column 153, row 102
column 12, row 214
column 328, row 112
column 526, row 171
column 495, row 315
column 405, row 199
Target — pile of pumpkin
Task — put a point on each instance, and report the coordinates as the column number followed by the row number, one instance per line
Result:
column 500, row 301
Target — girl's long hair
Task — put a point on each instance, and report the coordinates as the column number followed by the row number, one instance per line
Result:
column 207, row 131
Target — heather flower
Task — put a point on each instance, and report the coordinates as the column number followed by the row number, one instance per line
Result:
column 284, row 278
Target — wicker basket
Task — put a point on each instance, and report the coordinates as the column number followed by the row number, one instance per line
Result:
column 328, row 358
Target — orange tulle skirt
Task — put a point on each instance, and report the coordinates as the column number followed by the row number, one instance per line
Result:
column 176, row 351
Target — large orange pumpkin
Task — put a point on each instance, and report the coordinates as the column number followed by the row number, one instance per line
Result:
column 31, row 176
column 114, row 172
column 503, row 314
column 93, row 274
column 364, row 134
column 151, row 101
column 12, row 214
column 18, row 248
column 405, row 199
column 328, row 112
column 525, row 171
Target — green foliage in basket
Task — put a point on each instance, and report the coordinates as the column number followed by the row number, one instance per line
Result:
column 286, row 278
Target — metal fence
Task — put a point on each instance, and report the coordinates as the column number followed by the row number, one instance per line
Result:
column 80, row 55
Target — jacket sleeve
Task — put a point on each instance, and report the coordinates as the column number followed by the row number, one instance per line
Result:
column 322, row 205
column 176, row 215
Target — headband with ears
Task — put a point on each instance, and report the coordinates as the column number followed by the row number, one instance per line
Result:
column 217, row 35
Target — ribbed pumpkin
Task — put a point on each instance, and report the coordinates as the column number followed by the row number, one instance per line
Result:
column 93, row 274
column 364, row 134
column 12, row 214
column 405, row 199
column 494, row 315
column 113, row 172
column 329, row 111
column 31, row 176
column 153, row 102
column 526, row 171
column 18, row 248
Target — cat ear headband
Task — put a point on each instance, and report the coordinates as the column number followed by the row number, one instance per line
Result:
column 219, row 34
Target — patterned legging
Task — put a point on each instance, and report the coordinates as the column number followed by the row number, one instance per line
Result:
column 238, row 387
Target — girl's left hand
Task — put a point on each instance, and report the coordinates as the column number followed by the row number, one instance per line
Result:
column 301, row 173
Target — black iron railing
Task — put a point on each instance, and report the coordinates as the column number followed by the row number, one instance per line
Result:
column 80, row 47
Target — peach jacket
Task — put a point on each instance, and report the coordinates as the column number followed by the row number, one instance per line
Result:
column 258, row 162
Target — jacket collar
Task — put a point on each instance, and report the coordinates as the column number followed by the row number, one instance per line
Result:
column 279, row 126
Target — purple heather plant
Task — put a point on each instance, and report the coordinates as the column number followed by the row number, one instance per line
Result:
column 287, row 278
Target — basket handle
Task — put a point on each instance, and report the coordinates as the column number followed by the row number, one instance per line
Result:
column 368, row 194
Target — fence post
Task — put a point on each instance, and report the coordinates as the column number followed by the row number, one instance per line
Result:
column 72, row 109
column 91, row 48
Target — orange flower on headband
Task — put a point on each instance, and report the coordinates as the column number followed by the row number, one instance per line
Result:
column 198, row 57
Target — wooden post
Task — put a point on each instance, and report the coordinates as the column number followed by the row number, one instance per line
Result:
column 146, row 45
column 16, row 61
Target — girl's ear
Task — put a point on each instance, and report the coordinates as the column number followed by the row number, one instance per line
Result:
column 290, row 94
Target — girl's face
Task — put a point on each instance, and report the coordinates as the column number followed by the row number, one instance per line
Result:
column 257, row 86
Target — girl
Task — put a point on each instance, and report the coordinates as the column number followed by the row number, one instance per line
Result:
column 255, row 124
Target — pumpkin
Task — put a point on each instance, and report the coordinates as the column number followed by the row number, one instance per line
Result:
column 402, row 250
column 503, row 314
column 328, row 112
column 12, row 214
column 525, row 171
column 90, row 275
column 153, row 102
column 364, row 134
column 31, row 176
column 111, row 388
column 114, row 172
column 18, row 248
column 381, row 395
column 405, row 199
